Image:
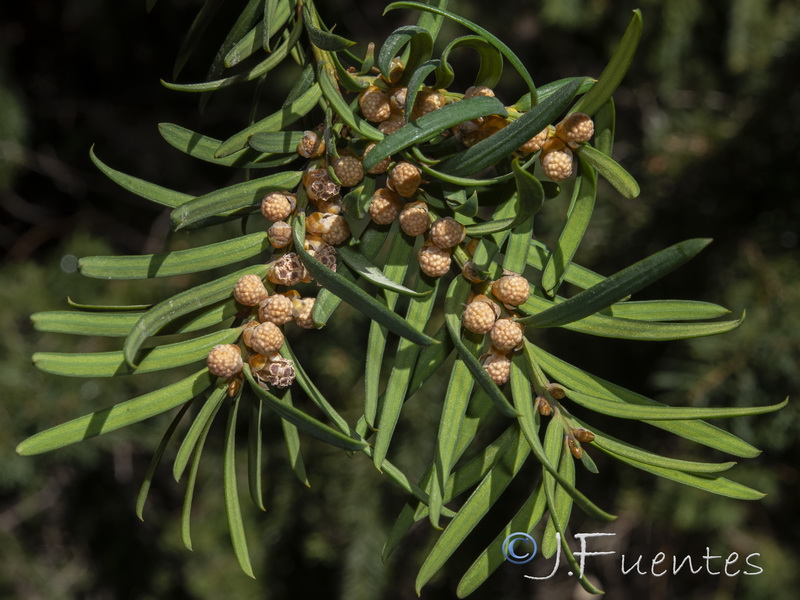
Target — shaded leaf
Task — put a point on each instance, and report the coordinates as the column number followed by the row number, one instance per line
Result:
column 493, row 40
column 359, row 263
column 262, row 68
column 456, row 297
column 201, row 422
column 231, row 492
column 473, row 510
column 300, row 419
column 489, row 151
column 432, row 124
column 144, row 490
column 352, row 294
column 623, row 283
column 323, row 40
column 491, row 62
column 288, row 114
column 614, row 71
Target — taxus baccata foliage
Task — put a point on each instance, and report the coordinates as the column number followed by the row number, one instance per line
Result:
column 378, row 181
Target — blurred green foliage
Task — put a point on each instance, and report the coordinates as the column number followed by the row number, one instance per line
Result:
column 713, row 99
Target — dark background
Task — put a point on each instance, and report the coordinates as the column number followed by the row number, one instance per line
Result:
column 707, row 121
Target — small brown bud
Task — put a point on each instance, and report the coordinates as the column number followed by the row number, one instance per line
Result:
column 556, row 391
column 575, row 449
column 544, row 407
column 583, row 435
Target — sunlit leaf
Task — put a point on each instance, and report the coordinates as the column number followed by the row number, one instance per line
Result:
column 665, row 413
column 666, row 310
column 112, row 364
column 178, row 262
column 418, row 314
column 580, row 213
column 696, row 431
column 491, row 62
column 236, row 199
column 204, row 148
column 611, row 170
column 140, row 187
column 709, row 483
column 117, row 416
